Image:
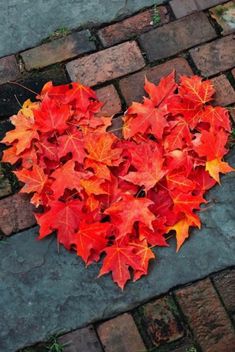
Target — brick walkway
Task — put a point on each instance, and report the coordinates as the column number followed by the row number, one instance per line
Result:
column 192, row 37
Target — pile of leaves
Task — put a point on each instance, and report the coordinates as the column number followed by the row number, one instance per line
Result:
column 115, row 199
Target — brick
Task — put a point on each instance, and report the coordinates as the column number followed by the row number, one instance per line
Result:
column 233, row 73
column 120, row 335
column 224, row 16
column 183, row 8
column 116, row 127
column 82, row 340
column 160, row 321
column 131, row 26
column 58, row 50
column 107, row 64
column 177, row 36
column 35, row 81
column 225, row 284
column 9, row 70
column 16, row 213
column 225, row 94
column 232, row 113
column 5, row 187
column 109, row 96
column 215, row 57
column 132, row 87
column 206, row 316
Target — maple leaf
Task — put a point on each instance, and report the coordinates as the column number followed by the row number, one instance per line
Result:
column 63, row 217
column 34, row 179
column 161, row 92
column 196, row 90
column 179, row 136
column 149, row 163
column 202, row 179
column 100, row 147
column 72, row 142
column 51, row 116
column 155, row 238
column 66, row 177
column 191, row 112
column 211, row 146
column 91, row 238
column 217, row 117
column 182, row 228
column 119, row 258
column 186, row 202
column 93, row 185
column 126, row 212
column 144, row 255
column 146, row 118
column 178, row 180
column 23, row 134
column 214, row 167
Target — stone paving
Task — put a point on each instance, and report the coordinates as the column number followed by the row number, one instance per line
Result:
column 43, row 293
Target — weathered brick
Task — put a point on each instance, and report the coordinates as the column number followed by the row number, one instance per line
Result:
column 132, row 87
column 215, row 57
column 35, row 81
column 116, row 127
column 5, row 187
column 177, row 36
column 120, row 335
column 16, row 213
column 207, row 317
column 225, row 94
column 160, row 321
column 82, row 340
column 225, row 284
column 183, row 8
column 109, row 96
column 232, row 113
column 58, row 50
column 131, row 26
column 9, row 70
column 107, row 64
column 224, row 16
column 233, row 73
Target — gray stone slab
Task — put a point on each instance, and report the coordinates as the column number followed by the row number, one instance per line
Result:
column 43, row 292
column 24, row 23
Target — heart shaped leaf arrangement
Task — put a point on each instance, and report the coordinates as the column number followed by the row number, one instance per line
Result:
column 119, row 197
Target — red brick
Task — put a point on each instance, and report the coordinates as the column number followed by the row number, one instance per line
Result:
column 183, row 8
column 224, row 16
column 131, row 26
column 107, row 64
column 132, row 87
column 233, row 73
column 120, row 335
column 177, row 36
column 215, row 57
column 206, row 316
column 225, row 284
column 160, row 321
column 109, row 96
column 16, row 213
column 5, row 187
column 225, row 94
column 58, row 50
column 232, row 113
column 116, row 127
column 82, row 340
column 9, row 70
